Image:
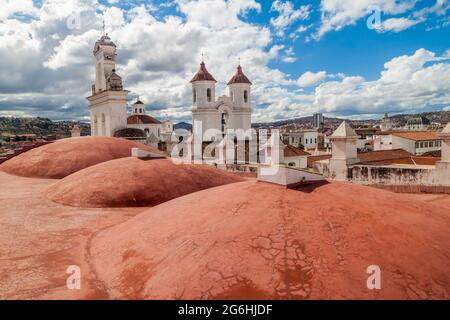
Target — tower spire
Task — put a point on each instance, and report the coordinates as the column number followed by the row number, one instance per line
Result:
column 103, row 27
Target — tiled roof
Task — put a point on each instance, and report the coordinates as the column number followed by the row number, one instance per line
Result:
column 291, row 151
column 129, row 133
column 313, row 159
column 384, row 155
column 418, row 135
column 239, row 77
column 142, row 119
column 203, row 74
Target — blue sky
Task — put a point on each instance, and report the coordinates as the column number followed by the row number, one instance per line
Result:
column 302, row 56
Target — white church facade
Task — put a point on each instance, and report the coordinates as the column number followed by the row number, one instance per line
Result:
column 212, row 117
column 108, row 102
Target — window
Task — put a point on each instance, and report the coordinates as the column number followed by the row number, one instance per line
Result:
column 421, row 144
column 315, row 140
column 194, row 95
column 232, row 96
column 291, row 164
column 245, row 96
column 208, row 94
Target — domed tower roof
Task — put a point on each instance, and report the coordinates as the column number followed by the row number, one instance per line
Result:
column 239, row 77
column 105, row 40
column 203, row 74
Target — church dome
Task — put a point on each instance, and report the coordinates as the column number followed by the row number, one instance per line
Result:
column 130, row 133
column 203, row 74
column 142, row 119
column 239, row 77
column 106, row 40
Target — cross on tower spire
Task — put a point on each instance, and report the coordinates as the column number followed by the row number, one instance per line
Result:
column 103, row 26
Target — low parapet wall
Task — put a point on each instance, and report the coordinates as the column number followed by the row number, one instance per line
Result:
column 413, row 188
column 420, row 179
column 388, row 175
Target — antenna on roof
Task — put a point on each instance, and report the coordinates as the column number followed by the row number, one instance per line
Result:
column 239, row 61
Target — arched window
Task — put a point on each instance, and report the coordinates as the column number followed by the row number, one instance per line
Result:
column 245, row 96
column 208, row 94
column 140, row 110
column 194, row 95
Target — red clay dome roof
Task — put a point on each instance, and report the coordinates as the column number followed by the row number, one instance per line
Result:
column 239, row 77
column 132, row 182
column 142, row 119
column 66, row 156
column 203, row 74
column 254, row 240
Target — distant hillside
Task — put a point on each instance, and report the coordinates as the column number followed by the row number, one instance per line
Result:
column 44, row 126
column 442, row 117
column 39, row 126
column 183, row 125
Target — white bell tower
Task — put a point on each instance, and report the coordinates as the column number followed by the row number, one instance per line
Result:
column 204, row 114
column 108, row 102
column 239, row 88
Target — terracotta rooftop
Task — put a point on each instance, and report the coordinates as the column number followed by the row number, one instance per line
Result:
column 203, row 74
column 291, row 151
column 239, row 77
column 131, row 182
column 142, row 119
column 383, row 155
column 417, row 135
column 254, row 240
column 130, row 133
column 66, row 156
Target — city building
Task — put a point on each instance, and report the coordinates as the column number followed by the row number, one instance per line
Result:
column 212, row 116
column 386, row 123
column 419, row 123
column 317, row 120
column 306, row 139
column 417, row 142
column 108, row 102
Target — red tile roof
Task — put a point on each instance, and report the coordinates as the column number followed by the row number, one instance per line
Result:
column 239, row 77
column 291, row 151
column 383, row 155
column 203, row 74
column 313, row 159
column 418, row 135
column 142, row 119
